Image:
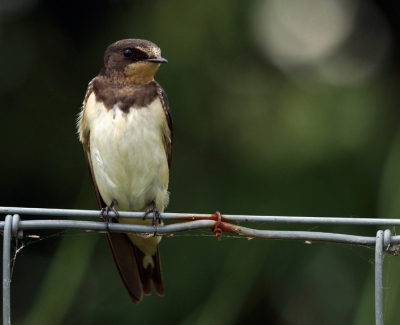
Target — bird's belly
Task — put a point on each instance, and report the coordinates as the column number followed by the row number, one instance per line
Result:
column 129, row 159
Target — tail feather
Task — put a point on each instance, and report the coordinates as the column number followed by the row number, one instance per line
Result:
column 150, row 271
column 133, row 265
column 124, row 258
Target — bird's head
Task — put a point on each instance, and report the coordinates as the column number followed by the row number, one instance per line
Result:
column 132, row 61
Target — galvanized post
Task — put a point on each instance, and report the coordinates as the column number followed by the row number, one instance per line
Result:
column 378, row 278
column 6, row 270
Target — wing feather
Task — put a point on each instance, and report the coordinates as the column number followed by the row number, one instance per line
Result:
column 167, row 137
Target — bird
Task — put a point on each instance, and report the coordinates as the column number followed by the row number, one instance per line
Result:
column 126, row 130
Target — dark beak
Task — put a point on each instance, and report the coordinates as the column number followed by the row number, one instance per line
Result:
column 158, row 60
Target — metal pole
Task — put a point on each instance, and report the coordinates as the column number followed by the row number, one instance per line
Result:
column 378, row 278
column 6, row 270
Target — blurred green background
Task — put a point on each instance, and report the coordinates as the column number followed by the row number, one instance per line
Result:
column 280, row 107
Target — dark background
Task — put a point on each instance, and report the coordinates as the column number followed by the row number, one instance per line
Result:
column 280, row 108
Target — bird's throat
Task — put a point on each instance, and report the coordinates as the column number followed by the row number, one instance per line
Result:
column 140, row 73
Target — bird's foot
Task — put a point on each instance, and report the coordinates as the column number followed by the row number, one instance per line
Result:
column 105, row 211
column 156, row 216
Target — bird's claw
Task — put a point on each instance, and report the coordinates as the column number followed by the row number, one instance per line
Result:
column 105, row 211
column 156, row 216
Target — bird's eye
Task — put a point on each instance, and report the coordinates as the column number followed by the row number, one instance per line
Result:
column 128, row 53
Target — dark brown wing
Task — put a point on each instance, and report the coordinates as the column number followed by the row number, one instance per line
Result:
column 167, row 138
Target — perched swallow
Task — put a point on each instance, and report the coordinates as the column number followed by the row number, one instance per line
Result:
column 125, row 127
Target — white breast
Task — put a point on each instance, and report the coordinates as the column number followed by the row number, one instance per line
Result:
column 128, row 155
